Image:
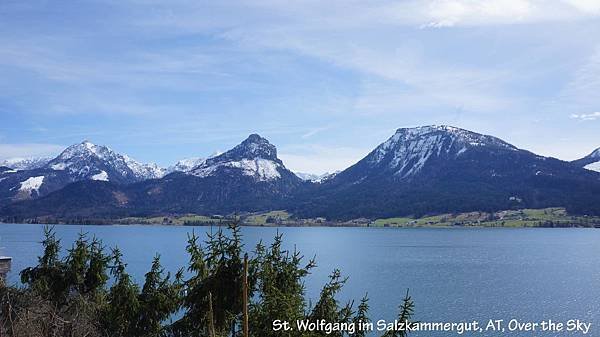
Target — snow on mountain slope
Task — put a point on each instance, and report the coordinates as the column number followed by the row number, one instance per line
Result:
column 261, row 169
column 103, row 176
column 145, row 171
column 25, row 163
column 593, row 166
column 408, row 150
column 32, row 184
column 185, row 165
column 590, row 162
column 87, row 160
column 316, row 178
column 254, row 157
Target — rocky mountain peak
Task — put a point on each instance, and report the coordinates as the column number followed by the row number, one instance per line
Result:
column 255, row 157
column 409, row 149
column 255, row 146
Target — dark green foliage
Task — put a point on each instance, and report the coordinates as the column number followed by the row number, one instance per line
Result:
column 279, row 283
column 361, row 317
column 83, row 271
column 123, row 308
column 158, row 299
column 216, row 272
column 71, row 296
column 328, row 308
column 406, row 312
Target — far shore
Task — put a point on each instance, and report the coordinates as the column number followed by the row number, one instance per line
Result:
column 523, row 218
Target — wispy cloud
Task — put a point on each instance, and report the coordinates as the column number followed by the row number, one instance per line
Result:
column 313, row 132
column 203, row 74
column 586, row 117
column 319, row 159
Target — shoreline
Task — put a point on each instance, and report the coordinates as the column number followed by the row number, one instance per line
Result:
column 307, row 226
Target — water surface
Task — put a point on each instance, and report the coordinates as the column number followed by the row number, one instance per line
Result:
column 454, row 274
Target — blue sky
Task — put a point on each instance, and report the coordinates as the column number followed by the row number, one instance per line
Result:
column 325, row 81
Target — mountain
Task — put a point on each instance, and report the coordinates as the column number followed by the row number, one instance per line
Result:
column 96, row 162
column 440, row 169
column 83, row 161
column 25, row 163
column 185, row 165
column 417, row 171
column 590, row 162
column 316, row 178
column 249, row 177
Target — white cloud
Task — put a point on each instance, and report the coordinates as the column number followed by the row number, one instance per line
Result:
column 589, row 7
column 313, row 132
column 27, row 150
column 586, row 117
column 319, row 159
column 448, row 13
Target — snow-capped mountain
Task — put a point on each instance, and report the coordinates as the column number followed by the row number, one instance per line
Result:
column 316, row 178
column 590, row 162
column 25, row 163
column 83, row 161
column 417, row 171
column 89, row 161
column 255, row 157
column 185, row 165
column 249, row 177
column 409, row 149
column 445, row 169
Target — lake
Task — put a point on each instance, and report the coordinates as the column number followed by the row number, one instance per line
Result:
column 454, row 274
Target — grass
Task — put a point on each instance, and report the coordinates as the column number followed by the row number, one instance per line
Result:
column 546, row 217
column 261, row 219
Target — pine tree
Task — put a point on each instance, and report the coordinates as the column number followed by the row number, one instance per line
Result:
column 361, row 317
column 405, row 316
column 120, row 318
column 217, row 272
column 327, row 307
column 279, row 284
column 159, row 299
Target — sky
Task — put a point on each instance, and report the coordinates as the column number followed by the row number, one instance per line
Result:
column 325, row 81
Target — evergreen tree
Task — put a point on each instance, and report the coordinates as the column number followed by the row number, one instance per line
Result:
column 214, row 290
column 327, row 307
column 280, row 287
column 47, row 278
column 123, row 308
column 361, row 317
column 159, row 299
column 406, row 312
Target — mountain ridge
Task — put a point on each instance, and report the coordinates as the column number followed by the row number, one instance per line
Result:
column 416, row 171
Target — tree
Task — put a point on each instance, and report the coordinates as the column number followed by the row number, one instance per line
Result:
column 217, row 274
column 120, row 317
column 279, row 279
column 406, row 312
column 361, row 317
column 158, row 300
column 327, row 307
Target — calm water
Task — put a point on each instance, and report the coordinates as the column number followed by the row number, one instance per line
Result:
column 453, row 274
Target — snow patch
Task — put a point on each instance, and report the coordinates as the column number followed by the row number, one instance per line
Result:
column 593, row 166
column 261, row 169
column 102, row 176
column 32, row 184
